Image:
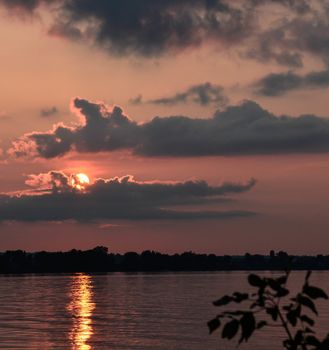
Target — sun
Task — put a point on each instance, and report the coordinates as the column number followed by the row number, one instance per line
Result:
column 80, row 181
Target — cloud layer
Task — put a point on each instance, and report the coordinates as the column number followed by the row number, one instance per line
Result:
column 277, row 84
column 202, row 94
column 24, row 5
column 145, row 27
column 238, row 130
column 55, row 199
column 49, row 112
column 286, row 38
column 151, row 28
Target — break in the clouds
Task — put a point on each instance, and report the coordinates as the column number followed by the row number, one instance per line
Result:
column 49, row 112
column 288, row 29
column 277, row 84
column 54, row 198
column 203, row 94
column 238, row 130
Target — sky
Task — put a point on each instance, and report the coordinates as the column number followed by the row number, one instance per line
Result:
column 201, row 125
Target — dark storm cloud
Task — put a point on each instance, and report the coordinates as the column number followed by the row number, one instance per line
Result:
column 202, row 94
column 277, row 84
column 152, row 28
column 49, row 112
column 146, row 27
column 117, row 198
column 238, row 130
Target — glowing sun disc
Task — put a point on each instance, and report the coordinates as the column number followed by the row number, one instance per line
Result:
column 79, row 181
column 82, row 178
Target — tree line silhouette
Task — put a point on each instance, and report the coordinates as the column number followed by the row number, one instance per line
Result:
column 99, row 259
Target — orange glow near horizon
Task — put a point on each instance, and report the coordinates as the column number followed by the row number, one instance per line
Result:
column 81, row 307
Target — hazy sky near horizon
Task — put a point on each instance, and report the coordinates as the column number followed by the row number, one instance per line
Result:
column 203, row 125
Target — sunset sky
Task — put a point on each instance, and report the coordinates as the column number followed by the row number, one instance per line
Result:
column 201, row 124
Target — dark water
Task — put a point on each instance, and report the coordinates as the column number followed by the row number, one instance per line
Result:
column 125, row 311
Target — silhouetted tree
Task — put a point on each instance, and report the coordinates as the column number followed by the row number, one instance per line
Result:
column 266, row 308
column 99, row 259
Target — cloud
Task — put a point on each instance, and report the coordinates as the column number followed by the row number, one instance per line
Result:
column 289, row 38
column 49, row 112
column 144, row 27
column 152, row 28
column 53, row 181
column 24, row 5
column 277, row 84
column 55, row 199
column 202, row 94
column 138, row 100
column 238, row 130
column 65, row 30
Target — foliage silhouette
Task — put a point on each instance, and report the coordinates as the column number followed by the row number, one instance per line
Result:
column 266, row 308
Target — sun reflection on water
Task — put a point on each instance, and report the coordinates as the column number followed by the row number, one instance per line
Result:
column 81, row 307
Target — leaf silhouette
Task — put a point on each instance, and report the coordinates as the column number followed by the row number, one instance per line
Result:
column 226, row 299
column 314, row 292
column 213, row 325
column 248, row 325
column 230, row 329
column 307, row 319
column 307, row 302
column 255, row 280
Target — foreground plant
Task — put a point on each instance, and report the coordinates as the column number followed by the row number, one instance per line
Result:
column 272, row 305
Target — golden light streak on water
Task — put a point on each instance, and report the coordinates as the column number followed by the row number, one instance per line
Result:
column 81, row 308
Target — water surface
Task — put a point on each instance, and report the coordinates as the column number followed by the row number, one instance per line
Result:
column 164, row 311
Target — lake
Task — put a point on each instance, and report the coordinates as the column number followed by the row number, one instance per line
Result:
column 117, row 311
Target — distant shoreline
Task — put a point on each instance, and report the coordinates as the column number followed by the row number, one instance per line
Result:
column 100, row 260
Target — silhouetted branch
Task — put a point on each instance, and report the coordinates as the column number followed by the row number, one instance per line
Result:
column 293, row 317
